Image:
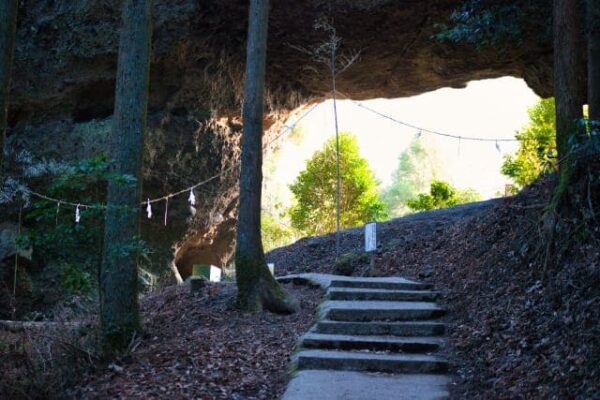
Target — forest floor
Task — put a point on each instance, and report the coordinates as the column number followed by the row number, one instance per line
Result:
column 194, row 346
column 513, row 334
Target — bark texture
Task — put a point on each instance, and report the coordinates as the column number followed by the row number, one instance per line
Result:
column 570, row 91
column 118, row 277
column 593, row 36
column 569, row 71
column 257, row 289
column 8, row 27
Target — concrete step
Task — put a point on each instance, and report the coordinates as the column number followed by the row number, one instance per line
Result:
column 352, row 385
column 344, row 293
column 379, row 283
column 374, row 343
column 379, row 310
column 403, row 328
column 372, row 362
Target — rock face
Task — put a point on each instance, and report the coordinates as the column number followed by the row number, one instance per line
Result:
column 62, row 94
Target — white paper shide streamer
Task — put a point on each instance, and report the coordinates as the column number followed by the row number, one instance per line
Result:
column 77, row 214
column 166, row 209
column 192, row 198
column 149, row 209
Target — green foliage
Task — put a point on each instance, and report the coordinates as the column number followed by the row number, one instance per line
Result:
column 537, row 146
column 274, row 233
column 315, row 190
column 77, row 280
column 468, row 195
column 54, row 235
column 483, row 23
column 136, row 248
column 415, row 170
column 442, row 195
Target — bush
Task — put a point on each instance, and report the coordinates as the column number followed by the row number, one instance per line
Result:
column 442, row 195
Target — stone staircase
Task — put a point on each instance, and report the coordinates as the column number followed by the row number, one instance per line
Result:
column 376, row 338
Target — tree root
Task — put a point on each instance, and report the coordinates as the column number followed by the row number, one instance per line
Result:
column 258, row 290
column 570, row 214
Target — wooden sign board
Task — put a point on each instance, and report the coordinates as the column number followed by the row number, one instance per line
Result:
column 371, row 237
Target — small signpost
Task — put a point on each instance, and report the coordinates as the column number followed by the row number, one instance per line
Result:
column 371, row 242
column 370, row 237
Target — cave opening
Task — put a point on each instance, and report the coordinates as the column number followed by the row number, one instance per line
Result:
column 442, row 122
column 385, row 130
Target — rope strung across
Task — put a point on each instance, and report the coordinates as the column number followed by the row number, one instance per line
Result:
column 423, row 130
column 287, row 129
column 59, row 202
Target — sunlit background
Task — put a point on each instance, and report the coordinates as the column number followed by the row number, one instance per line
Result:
column 493, row 108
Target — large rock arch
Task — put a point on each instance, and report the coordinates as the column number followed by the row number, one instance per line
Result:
column 65, row 67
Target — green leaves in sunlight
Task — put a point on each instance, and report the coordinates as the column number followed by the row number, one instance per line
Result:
column 314, row 190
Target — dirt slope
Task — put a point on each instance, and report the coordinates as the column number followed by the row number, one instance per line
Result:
column 514, row 335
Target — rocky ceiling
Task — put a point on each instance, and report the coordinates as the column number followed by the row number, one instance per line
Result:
column 63, row 86
column 66, row 54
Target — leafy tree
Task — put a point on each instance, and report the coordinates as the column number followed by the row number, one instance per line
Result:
column 257, row 289
column 416, row 169
column 442, row 195
column 537, row 146
column 315, row 190
column 119, row 309
column 8, row 26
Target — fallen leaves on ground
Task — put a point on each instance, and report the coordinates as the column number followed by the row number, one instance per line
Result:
column 513, row 334
column 200, row 346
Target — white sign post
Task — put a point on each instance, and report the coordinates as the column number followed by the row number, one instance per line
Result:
column 371, row 237
column 371, row 242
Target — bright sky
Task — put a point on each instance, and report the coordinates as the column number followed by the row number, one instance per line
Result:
column 493, row 108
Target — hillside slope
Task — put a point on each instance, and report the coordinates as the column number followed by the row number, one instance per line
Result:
column 513, row 333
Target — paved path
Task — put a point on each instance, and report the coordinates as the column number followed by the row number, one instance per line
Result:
column 375, row 338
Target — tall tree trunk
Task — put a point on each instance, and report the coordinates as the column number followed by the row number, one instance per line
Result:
column 569, row 72
column 8, row 27
column 593, row 38
column 570, row 94
column 257, row 289
column 118, row 276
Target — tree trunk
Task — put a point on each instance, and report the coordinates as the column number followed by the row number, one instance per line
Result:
column 593, row 38
column 569, row 72
column 118, row 277
column 570, row 94
column 8, row 27
column 257, row 289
